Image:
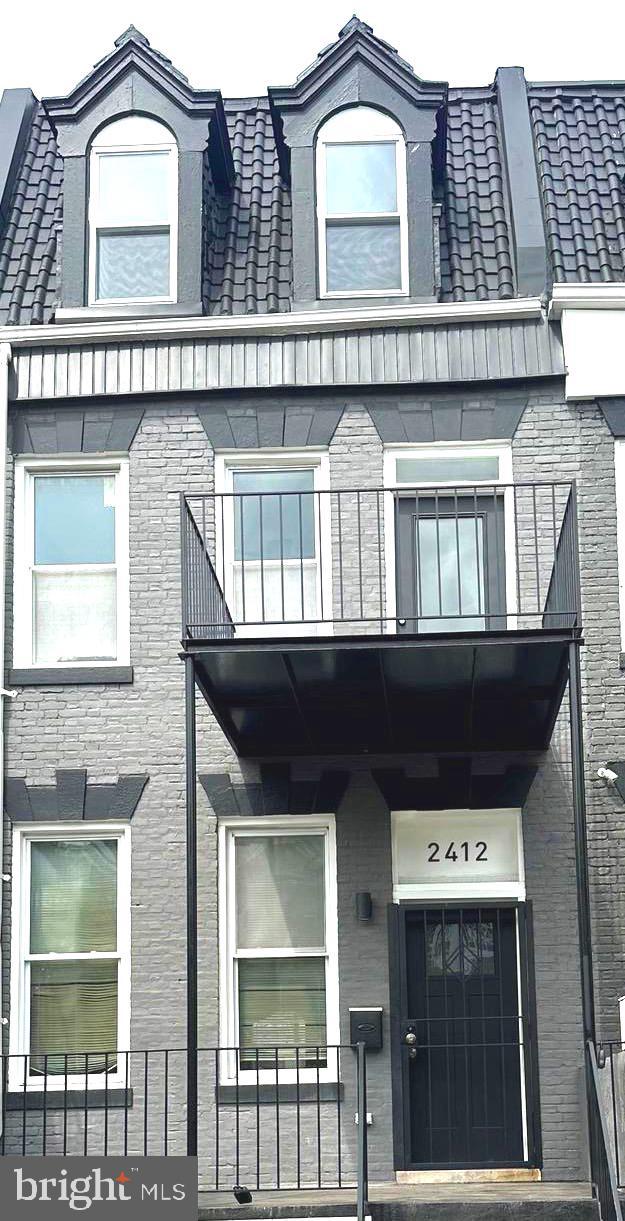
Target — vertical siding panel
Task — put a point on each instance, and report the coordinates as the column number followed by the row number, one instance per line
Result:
column 505, row 350
column 60, row 374
column 314, row 360
column 327, row 360
column 98, row 370
column 212, row 364
column 375, row 348
column 301, row 360
column 150, row 355
column 251, row 366
column 429, row 359
column 417, row 373
column 73, row 372
column 22, row 371
column 238, row 363
column 370, row 358
column 276, row 361
column 466, row 356
column 288, row 361
column 110, row 369
column 530, row 334
column 86, row 370
column 390, row 355
column 479, row 352
column 161, row 366
column 446, row 353
column 123, row 369
column 136, row 368
column 352, row 358
column 34, row 371
column 403, row 355
column 225, row 364
column 186, row 365
column 174, row 366
column 199, row 365
column 339, row 358
column 492, row 351
column 262, row 363
column 519, row 361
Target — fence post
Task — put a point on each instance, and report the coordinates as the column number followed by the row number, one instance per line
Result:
column 361, row 1097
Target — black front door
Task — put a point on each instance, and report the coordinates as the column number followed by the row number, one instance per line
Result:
column 450, row 559
column 461, row 1039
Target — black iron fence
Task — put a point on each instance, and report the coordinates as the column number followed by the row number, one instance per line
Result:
column 269, row 1118
column 605, row 1122
column 448, row 559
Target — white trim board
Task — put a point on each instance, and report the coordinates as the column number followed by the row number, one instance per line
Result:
column 299, row 322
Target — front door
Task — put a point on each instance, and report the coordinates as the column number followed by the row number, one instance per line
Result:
column 450, row 561
column 462, row 1047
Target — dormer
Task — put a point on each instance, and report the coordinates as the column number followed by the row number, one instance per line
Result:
column 138, row 144
column 361, row 139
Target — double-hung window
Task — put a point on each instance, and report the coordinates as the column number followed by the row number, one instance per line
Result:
column 279, row 944
column 273, row 541
column 133, row 226
column 361, row 205
column 71, row 563
column 71, row 956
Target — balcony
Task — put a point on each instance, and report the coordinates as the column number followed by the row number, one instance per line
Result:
column 378, row 621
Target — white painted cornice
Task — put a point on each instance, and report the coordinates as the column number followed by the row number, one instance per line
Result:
column 309, row 322
column 606, row 295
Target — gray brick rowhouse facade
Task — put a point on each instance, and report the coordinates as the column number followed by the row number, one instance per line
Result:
column 314, row 639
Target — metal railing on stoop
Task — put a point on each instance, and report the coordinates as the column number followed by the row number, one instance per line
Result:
column 604, row 1137
column 269, row 1118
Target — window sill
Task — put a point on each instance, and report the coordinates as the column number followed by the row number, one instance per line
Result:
column 70, row 1100
column 79, row 676
column 329, row 1091
column 134, row 310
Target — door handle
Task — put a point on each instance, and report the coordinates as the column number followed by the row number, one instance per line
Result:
column 410, row 1039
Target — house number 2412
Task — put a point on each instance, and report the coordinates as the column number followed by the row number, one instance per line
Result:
column 459, row 852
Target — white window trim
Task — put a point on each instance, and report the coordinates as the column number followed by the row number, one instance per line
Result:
column 619, row 472
column 450, row 449
column 229, row 829
column 23, row 637
column 165, row 146
column 229, row 461
column 362, row 136
column 19, row 1041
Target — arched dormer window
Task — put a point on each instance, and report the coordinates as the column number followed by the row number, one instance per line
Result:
column 361, row 205
column 133, row 212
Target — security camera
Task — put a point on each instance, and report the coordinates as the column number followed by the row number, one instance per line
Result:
column 605, row 773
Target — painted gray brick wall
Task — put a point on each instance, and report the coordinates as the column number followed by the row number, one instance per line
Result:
column 140, row 728
column 556, row 440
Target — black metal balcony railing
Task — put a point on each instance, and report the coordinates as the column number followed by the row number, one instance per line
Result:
column 416, row 560
column 260, row 1124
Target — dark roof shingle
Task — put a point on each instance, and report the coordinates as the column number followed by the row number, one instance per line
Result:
column 579, row 132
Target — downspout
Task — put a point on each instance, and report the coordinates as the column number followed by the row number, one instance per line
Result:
column 5, row 366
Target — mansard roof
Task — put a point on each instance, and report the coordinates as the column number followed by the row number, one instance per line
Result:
column 579, row 137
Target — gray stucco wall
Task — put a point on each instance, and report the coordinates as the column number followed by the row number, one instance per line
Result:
column 116, row 730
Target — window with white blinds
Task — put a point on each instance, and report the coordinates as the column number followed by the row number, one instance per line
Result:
column 71, row 587
column 281, row 945
column 72, row 953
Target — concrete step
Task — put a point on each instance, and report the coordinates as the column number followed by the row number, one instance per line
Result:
column 403, row 1202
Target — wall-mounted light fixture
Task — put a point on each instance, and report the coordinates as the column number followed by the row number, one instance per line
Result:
column 364, row 906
